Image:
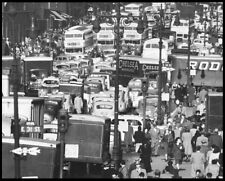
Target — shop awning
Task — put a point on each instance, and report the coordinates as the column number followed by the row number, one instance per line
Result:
column 57, row 16
column 211, row 79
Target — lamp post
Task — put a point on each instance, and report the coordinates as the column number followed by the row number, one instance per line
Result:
column 159, row 105
column 117, row 30
column 188, row 60
column 12, row 14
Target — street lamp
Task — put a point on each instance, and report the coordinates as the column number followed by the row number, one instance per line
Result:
column 118, row 32
column 12, row 14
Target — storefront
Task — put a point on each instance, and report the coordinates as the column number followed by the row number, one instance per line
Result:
column 204, row 70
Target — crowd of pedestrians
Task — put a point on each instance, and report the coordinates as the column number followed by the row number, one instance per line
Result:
column 184, row 140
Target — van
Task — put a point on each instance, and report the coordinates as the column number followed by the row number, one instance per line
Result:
column 87, row 139
column 136, row 121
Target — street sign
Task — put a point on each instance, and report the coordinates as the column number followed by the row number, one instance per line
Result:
column 30, row 129
column 128, row 67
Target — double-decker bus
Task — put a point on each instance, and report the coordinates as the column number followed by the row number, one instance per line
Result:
column 106, row 37
column 134, row 8
column 151, row 49
column 79, row 40
column 131, row 36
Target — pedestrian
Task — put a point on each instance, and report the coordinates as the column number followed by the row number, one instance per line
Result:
column 199, row 174
column 193, row 140
column 214, row 155
column 177, row 131
column 201, row 107
column 213, row 168
column 169, row 168
column 202, row 94
column 191, row 95
column 157, row 173
column 128, row 137
column 186, row 138
column 193, row 130
column 145, row 155
column 142, row 175
column 123, row 169
column 78, row 104
column 68, row 105
column 197, row 118
column 139, row 138
column 209, row 152
column 155, row 139
column 168, row 139
column 133, row 166
column 135, row 173
column 178, row 93
column 106, row 170
column 178, row 151
column 208, row 175
column 202, row 141
column 216, row 139
column 197, row 162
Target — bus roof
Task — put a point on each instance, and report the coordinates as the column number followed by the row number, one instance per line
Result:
column 87, row 117
column 134, row 5
column 36, row 58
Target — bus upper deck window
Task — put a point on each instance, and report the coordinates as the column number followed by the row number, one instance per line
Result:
column 147, row 46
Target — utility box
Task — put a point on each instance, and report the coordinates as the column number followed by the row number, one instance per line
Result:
column 43, row 165
column 214, row 111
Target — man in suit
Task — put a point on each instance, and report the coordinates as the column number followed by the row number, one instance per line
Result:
column 216, row 139
column 155, row 137
column 197, row 161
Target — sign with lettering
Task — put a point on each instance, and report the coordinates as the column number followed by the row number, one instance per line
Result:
column 149, row 67
column 128, row 66
column 206, row 65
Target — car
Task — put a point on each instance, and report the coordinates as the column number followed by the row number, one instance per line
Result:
column 107, row 76
column 49, row 85
column 101, row 65
column 103, row 108
column 95, row 87
column 97, row 79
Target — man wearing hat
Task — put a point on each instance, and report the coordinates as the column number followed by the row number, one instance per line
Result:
column 135, row 173
column 215, row 139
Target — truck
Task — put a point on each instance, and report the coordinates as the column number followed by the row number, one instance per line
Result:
column 35, row 68
column 214, row 111
column 87, row 139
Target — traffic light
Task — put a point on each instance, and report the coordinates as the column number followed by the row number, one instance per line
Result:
column 144, row 85
column 63, row 121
